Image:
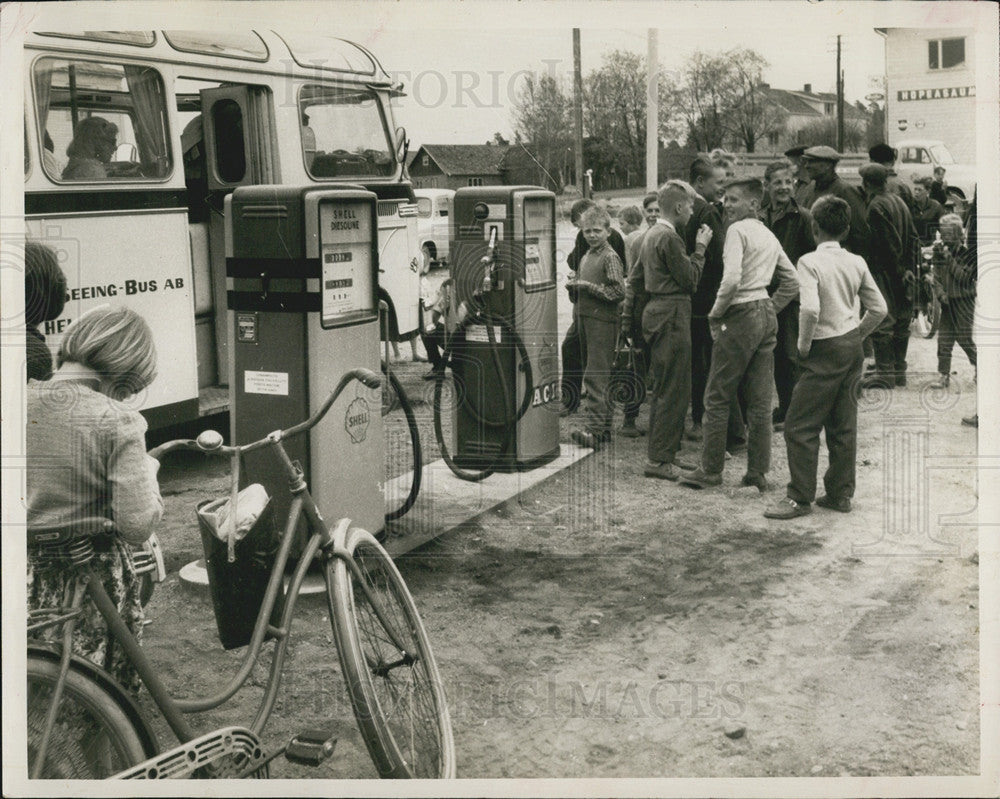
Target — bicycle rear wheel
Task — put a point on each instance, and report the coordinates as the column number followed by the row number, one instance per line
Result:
column 389, row 669
column 92, row 737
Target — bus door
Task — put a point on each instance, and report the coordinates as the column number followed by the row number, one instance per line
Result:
column 240, row 149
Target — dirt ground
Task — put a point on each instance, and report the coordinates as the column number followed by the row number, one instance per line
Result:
column 608, row 625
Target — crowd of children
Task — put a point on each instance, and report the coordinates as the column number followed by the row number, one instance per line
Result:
column 735, row 288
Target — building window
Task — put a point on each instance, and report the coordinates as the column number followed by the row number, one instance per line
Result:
column 425, row 161
column 828, row 108
column 773, row 138
column 475, row 181
column 945, row 53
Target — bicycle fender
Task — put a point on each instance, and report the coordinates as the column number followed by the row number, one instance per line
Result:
column 110, row 685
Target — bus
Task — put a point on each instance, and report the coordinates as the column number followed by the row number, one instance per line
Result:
column 133, row 140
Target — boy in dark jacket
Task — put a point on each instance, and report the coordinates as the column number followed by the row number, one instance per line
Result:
column 706, row 180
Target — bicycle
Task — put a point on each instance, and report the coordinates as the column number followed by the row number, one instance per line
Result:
column 82, row 724
column 927, row 300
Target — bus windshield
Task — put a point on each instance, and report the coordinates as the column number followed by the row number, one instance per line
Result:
column 344, row 133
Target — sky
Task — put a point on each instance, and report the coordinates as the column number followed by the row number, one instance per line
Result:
column 461, row 87
column 461, row 67
column 461, row 63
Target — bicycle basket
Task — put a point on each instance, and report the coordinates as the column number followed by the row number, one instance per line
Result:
column 238, row 587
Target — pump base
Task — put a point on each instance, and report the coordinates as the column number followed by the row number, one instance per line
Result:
column 507, row 465
column 447, row 503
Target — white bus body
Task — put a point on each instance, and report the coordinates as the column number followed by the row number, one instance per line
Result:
column 195, row 115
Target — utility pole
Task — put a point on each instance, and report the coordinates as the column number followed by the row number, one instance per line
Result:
column 581, row 181
column 652, row 113
column 840, row 101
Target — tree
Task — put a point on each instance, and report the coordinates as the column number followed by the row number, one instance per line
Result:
column 875, row 128
column 542, row 120
column 498, row 140
column 703, row 99
column 614, row 105
column 615, row 118
column 724, row 101
column 753, row 114
column 824, row 131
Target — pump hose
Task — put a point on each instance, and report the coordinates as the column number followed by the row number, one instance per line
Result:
column 509, row 421
column 418, row 462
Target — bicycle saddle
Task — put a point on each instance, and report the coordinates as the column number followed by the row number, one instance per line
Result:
column 65, row 532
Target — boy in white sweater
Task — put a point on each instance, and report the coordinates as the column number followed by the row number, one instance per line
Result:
column 743, row 324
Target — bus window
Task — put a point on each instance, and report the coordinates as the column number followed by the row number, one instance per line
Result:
column 229, row 44
column 108, row 120
column 227, row 119
column 346, row 136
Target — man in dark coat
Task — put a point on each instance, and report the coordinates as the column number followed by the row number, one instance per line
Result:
column 886, row 156
column 793, row 228
column 893, row 249
column 821, row 163
column 803, row 183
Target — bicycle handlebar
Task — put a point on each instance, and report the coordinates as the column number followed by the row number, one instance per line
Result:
column 210, row 441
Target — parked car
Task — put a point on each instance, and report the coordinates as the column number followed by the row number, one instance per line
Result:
column 918, row 157
column 433, row 220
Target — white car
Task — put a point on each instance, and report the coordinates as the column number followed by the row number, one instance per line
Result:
column 434, row 208
column 918, row 157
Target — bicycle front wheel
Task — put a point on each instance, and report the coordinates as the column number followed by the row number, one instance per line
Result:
column 388, row 666
column 92, row 737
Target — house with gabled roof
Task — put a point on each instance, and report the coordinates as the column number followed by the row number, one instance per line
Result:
column 452, row 166
column 806, row 106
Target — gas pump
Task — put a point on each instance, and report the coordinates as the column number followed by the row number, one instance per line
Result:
column 301, row 268
column 504, row 355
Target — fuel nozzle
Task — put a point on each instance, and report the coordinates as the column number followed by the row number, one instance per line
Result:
column 489, row 264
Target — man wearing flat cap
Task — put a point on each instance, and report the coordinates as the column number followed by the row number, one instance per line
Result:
column 803, row 183
column 821, row 165
column 893, row 249
column 884, row 155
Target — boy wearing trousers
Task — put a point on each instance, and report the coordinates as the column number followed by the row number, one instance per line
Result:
column 830, row 357
column 744, row 325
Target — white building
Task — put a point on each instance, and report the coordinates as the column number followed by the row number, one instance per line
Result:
column 931, row 87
